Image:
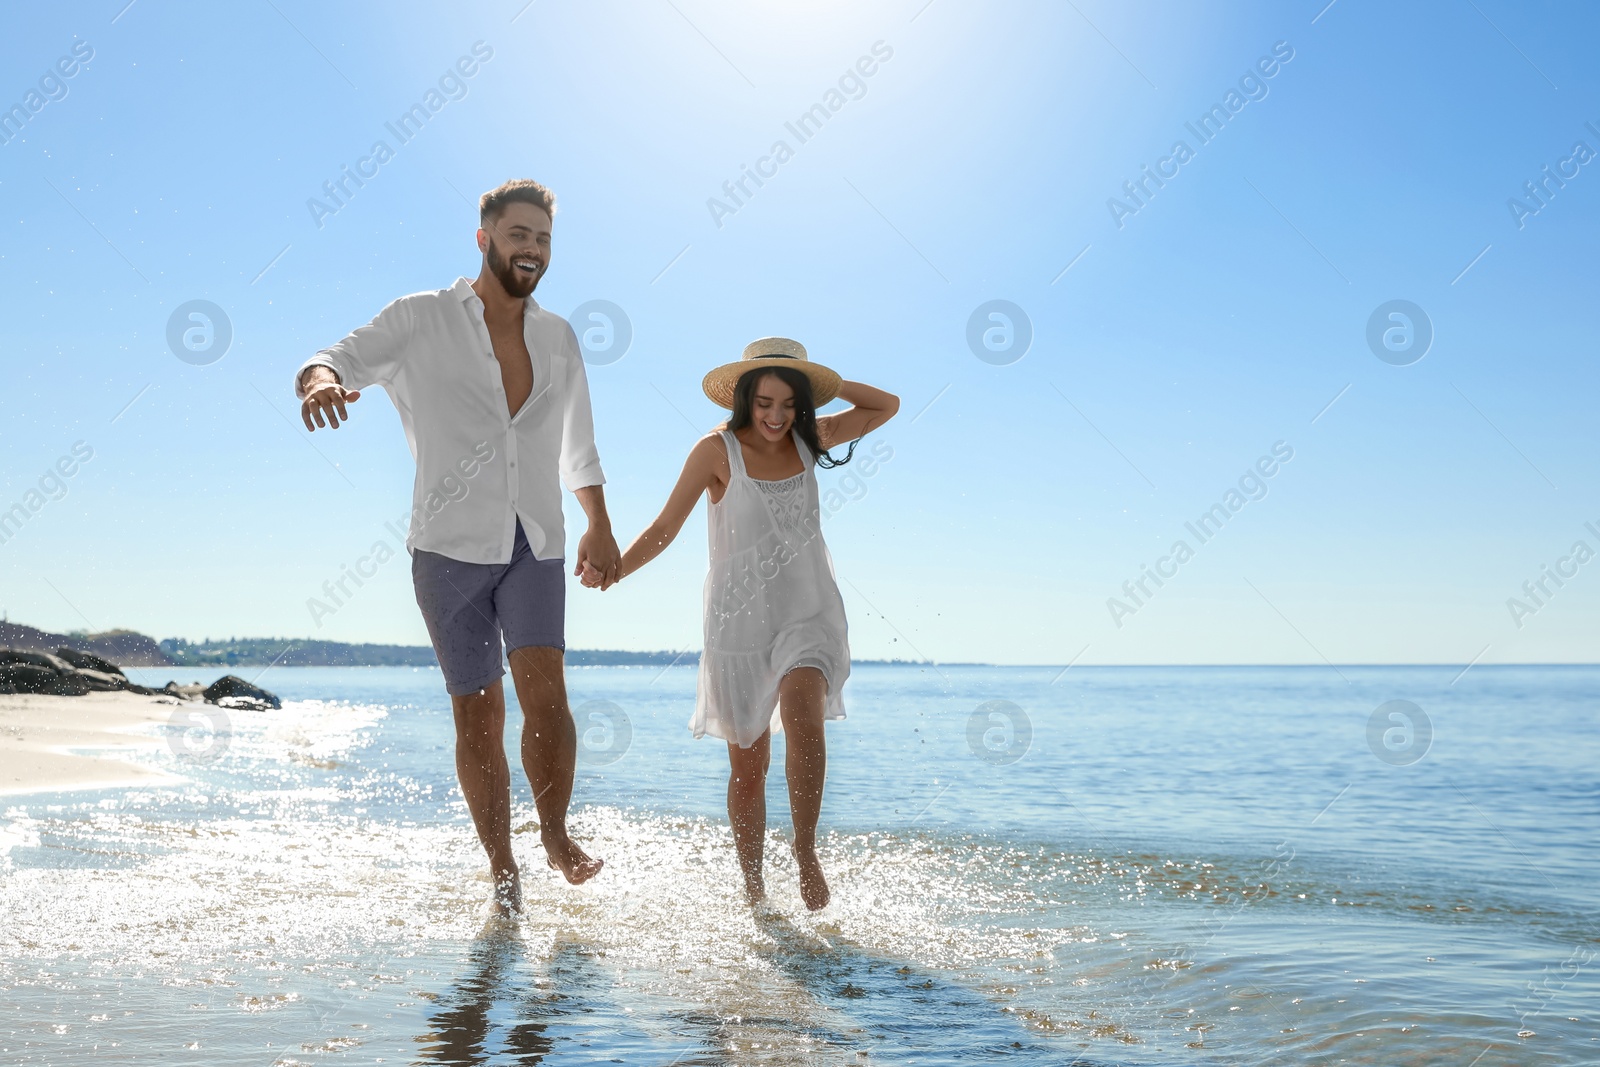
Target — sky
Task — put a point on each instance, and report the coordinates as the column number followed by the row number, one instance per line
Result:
column 1343, row 278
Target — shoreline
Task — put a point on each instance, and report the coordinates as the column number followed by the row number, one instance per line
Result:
column 41, row 738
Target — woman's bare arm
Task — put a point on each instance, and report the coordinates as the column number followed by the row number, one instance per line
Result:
column 703, row 469
column 872, row 408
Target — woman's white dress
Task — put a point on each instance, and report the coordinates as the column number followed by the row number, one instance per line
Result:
column 771, row 602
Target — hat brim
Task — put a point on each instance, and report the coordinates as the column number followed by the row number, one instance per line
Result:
column 720, row 382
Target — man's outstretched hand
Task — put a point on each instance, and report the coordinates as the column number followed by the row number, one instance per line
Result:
column 325, row 403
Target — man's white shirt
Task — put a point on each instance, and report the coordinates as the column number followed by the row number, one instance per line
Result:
column 479, row 468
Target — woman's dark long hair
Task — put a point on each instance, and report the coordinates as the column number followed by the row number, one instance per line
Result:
column 805, row 410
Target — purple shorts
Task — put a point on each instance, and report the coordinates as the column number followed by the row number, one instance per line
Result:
column 469, row 606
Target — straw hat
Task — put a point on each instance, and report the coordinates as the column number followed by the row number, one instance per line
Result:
column 771, row 352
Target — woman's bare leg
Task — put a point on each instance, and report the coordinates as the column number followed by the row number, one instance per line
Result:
column 802, row 696
column 747, row 810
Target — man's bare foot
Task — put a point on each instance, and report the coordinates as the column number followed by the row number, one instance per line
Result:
column 506, row 900
column 813, row 886
column 575, row 865
column 755, row 889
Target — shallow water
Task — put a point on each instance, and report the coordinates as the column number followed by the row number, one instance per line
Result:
column 1180, row 866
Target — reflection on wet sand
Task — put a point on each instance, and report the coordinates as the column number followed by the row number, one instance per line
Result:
column 503, row 1011
column 828, row 998
column 494, row 995
column 890, row 1003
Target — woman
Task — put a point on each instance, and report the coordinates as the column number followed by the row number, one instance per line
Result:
column 776, row 654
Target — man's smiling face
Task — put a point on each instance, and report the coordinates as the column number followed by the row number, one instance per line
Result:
column 516, row 247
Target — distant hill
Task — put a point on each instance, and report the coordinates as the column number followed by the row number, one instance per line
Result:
column 292, row 652
column 125, row 648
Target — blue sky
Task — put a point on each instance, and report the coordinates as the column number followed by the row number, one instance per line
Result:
column 1169, row 353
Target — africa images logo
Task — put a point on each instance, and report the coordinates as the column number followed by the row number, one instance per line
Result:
column 1252, row 85
column 452, row 85
column 851, row 85
column 51, row 87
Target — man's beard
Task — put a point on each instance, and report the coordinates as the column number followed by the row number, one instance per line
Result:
column 512, row 280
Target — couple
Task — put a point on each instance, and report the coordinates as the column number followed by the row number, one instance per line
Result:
column 491, row 391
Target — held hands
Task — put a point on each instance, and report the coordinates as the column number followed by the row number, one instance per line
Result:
column 325, row 401
column 598, row 559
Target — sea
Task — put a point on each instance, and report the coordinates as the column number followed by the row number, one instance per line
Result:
column 1143, row 866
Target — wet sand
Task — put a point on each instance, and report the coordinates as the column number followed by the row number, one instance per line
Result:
column 38, row 736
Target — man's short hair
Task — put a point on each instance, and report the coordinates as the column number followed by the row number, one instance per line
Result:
column 516, row 191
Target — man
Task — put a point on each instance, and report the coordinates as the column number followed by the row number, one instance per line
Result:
column 491, row 391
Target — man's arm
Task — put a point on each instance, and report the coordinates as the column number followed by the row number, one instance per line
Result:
column 336, row 375
column 580, row 460
column 580, row 468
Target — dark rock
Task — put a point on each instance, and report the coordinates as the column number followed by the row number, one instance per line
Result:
column 29, row 677
column 231, row 691
column 87, row 661
column 145, row 690
column 70, row 685
column 38, row 659
column 100, row 681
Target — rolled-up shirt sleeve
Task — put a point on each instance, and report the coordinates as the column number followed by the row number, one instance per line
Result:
column 370, row 354
column 580, row 460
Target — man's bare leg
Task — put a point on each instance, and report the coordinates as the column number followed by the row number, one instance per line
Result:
column 550, row 754
column 486, row 784
column 747, row 810
column 802, row 696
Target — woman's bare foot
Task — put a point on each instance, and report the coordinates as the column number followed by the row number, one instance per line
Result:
column 813, row 886
column 563, row 855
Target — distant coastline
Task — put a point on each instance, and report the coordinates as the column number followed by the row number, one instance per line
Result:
column 128, row 648
column 306, row 652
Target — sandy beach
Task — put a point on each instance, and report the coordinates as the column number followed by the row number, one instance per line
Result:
column 38, row 736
